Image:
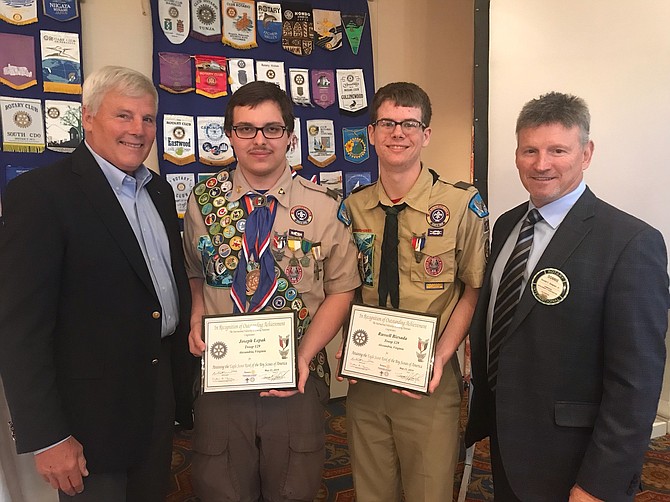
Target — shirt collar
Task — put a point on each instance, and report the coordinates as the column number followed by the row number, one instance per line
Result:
column 417, row 198
column 115, row 176
column 280, row 191
column 554, row 212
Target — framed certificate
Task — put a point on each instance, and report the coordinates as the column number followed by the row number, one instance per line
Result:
column 391, row 347
column 249, row 352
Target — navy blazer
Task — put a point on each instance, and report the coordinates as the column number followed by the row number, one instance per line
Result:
column 79, row 333
column 579, row 381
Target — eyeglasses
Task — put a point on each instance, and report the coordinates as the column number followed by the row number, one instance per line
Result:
column 270, row 131
column 408, row 126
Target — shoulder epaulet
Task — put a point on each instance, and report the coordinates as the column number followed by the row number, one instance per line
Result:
column 332, row 193
column 434, row 174
column 362, row 187
column 462, row 185
column 318, row 188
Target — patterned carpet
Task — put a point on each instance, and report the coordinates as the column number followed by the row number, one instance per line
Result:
column 337, row 484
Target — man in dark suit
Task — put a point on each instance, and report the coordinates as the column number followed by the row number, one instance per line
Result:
column 95, row 303
column 568, row 353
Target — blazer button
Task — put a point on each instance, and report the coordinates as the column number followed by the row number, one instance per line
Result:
column 156, row 314
column 154, row 362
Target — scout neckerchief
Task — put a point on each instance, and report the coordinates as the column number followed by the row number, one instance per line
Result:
column 176, row 75
column 239, row 24
column 206, row 22
column 17, row 61
column 175, row 19
column 268, row 18
column 63, row 125
column 328, row 29
column 61, row 67
column 255, row 275
column 22, row 125
column 211, row 78
column 297, row 28
column 353, row 27
column 61, row 10
column 19, row 12
column 351, row 90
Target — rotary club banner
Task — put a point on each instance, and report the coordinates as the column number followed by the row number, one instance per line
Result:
column 239, row 25
column 297, row 28
column 211, row 79
column 206, row 22
column 18, row 12
column 178, row 139
column 22, row 125
column 294, row 152
column 328, row 28
column 351, row 90
column 268, row 19
column 323, row 87
column 61, row 67
column 356, row 144
column 299, row 83
column 61, row 10
column 182, row 184
column 175, row 19
column 353, row 27
column 17, row 61
column 63, row 125
column 272, row 71
column 214, row 148
column 321, row 142
column 176, row 75
column 240, row 72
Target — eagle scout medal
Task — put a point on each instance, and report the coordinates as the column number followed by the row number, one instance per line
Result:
column 550, row 286
column 299, row 85
column 206, row 22
column 351, row 90
column 328, row 29
column 240, row 72
column 61, row 67
column 418, row 242
column 353, row 27
column 268, row 18
column 175, row 19
column 178, row 139
column 438, row 215
column 239, row 24
column 17, row 60
column 271, row 71
column 297, row 28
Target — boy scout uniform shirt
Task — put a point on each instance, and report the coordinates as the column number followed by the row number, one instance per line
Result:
column 305, row 213
column 443, row 238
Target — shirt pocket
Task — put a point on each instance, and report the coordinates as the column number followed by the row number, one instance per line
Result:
column 437, row 263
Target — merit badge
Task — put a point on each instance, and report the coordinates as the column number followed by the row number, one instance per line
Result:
column 241, row 225
column 215, row 228
column 221, row 212
column 236, row 243
column 301, row 215
column 303, row 313
column 211, row 183
column 433, row 265
column 291, row 294
column 199, row 189
column 231, row 262
column 217, row 240
column 224, row 250
column 236, row 214
column 210, row 218
column 550, row 286
column 215, row 192
column 223, row 176
column 219, row 202
column 228, row 231
column 438, row 215
column 278, row 302
column 282, row 284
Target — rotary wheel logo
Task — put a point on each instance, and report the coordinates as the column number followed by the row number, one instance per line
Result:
column 178, row 132
column 360, row 337
column 205, row 14
column 173, row 12
column 218, row 350
column 53, row 112
column 299, row 79
column 22, row 119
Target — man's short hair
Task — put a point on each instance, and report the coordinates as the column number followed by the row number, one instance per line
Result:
column 127, row 82
column 255, row 93
column 403, row 94
column 556, row 108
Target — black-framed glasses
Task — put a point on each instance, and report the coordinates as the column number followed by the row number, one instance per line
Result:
column 270, row 131
column 408, row 126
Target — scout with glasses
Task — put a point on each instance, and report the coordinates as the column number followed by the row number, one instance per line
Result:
column 421, row 244
column 255, row 446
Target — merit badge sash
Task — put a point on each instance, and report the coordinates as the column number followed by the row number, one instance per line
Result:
column 61, row 10
column 332, row 180
column 17, row 61
column 178, row 139
column 182, row 184
column 214, row 147
column 299, row 82
column 353, row 27
column 63, row 125
column 22, row 125
column 268, row 19
column 176, row 75
column 355, row 141
column 323, row 87
column 351, row 90
column 321, row 142
column 297, row 28
column 239, row 26
column 240, row 72
column 211, row 78
column 175, row 19
column 294, row 152
column 328, row 28
column 206, row 22
column 272, row 71
column 18, row 12
column 61, row 67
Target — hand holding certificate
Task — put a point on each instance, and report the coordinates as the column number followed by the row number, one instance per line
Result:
column 249, row 352
column 391, row 347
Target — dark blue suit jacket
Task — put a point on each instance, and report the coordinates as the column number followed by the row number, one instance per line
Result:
column 78, row 332
column 579, row 381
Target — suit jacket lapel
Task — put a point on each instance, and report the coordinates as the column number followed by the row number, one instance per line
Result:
column 96, row 188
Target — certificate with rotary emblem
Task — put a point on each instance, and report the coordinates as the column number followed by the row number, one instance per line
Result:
column 254, row 351
column 391, row 347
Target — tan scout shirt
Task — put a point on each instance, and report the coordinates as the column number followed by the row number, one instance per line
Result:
column 454, row 223
column 319, row 223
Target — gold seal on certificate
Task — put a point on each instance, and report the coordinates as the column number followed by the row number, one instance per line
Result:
column 391, row 347
column 249, row 352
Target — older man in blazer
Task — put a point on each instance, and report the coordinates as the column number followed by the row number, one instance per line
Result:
column 568, row 352
column 94, row 305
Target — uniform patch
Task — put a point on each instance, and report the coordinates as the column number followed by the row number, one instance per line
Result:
column 477, row 206
column 433, row 285
column 435, row 232
column 433, row 265
column 365, row 244
column 301, row 215
column 343, row 215
column 294, row 273
column 438, row 215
